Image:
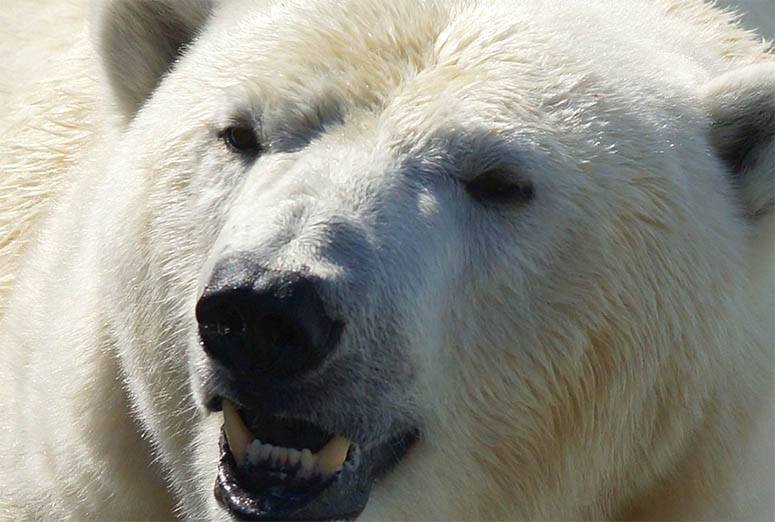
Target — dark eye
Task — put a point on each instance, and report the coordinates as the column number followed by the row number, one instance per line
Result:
column 494, row 186
column 242, row 139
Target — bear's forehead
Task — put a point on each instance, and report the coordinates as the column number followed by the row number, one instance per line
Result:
column 312, row 61
column 359, row 51
column 423, row 65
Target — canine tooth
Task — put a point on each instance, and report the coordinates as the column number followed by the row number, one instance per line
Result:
column 237, row 434
column 332, row 455
column 307, row 459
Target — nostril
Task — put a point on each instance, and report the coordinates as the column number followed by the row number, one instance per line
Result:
column 222, row 326
column 226, row 321
column 276, row 331
column 287, row 349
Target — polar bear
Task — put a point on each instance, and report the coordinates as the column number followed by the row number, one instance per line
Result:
column 465, row 259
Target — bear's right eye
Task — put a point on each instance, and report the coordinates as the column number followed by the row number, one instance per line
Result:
column 242, row 139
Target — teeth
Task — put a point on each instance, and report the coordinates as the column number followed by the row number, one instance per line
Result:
column 254, row 450
column 266, row 450
column 277, row 455
column 327, row 461
column 331, row 457
column 237, row 434
column 294, row 456
column 308, row 459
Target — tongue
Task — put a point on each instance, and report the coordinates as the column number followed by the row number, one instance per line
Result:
column 327, row 461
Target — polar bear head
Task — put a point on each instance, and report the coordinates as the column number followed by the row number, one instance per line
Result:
column 477, row 255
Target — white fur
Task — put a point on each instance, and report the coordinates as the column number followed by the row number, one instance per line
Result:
column 603, row 352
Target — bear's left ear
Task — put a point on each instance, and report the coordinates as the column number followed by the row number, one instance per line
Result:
column 139, row 40
column 741, row 104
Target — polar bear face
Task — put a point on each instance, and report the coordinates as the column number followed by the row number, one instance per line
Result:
column 416, row 240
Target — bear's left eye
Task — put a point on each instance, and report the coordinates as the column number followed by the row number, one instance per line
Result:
column 496, row 186
column 242, row 139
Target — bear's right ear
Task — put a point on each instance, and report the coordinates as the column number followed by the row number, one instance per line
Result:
column 139, row 40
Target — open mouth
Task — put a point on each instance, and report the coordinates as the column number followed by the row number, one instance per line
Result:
column 287, row 469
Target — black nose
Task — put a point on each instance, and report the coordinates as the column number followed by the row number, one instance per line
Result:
column 258, row 321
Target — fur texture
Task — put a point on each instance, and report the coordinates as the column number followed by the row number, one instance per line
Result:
column 602, row 351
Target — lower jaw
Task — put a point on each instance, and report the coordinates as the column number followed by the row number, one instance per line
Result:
column 340, row 497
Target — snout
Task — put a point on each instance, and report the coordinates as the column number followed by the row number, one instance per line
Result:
column 265, row 324
column 268, row 330
column 300, row 439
